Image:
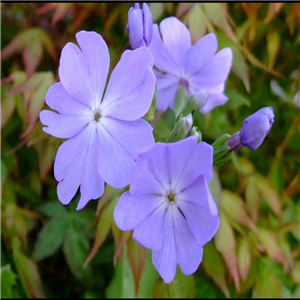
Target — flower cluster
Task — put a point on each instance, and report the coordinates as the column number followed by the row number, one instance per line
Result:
column 169, row 205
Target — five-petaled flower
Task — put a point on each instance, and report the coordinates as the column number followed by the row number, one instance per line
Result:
column 139, row 26
column 169, row 205
column 196, row 68
column 105, row 133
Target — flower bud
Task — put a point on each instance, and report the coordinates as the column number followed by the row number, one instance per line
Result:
column 139, row 26
column 254, row 130
column 256, row 127
column 188, row 122
column 201, row 98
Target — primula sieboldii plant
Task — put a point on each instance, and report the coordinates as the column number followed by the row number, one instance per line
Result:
column 195, row 68
column 105, row 133
column 168, row 206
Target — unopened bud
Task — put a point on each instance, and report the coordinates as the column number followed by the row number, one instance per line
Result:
column 139, row 26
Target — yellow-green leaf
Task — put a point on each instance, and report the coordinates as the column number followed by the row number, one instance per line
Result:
column 225, row 243
column 268, row 192
column 234, row 207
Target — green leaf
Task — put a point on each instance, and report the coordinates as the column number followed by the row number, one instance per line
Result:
column 3, row 173
column 75, row 248
column 273, row 46
column 267, row 285
column 28, row 272
column 122, row 284
column 182, row 286
column 53, row 209
column 196, row 21
column 149, row 278
column 136, row 256
column 221, row 140
column 234, row 207
column 103, row 228
column 215, row 187
column 214, row 267
column 268, row 192
column 268, row 240
column 220, row 151
column 217, row 14
column 239, row 65
column 236, row 99
column 50, row 238
column 225, row 243
column 244, row 258
column 8, row 281
column 7, row 107
column 252, row 198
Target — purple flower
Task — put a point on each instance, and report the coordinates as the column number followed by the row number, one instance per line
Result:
column 169, row 205
column 105, row 133
column 194, row 67
column 139, row 26
column 256, row 127
column 254, row 130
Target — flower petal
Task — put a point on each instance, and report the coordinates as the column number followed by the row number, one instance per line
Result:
column 115, row 164
column 184, row 173
column 165, row 259
column 189, row 252
column 59, row 99
column 200, row 210
column 215, row 72
column 162, row 57
column 149, row 232
column 74, row 74
column 135, row 136
column 214, row 100
column 131, row 86
column 92, row 185
column 157, row 164
column 178, row 155
column 167, row 86
column 201, row 53
column 144, row 182
column 131, row 210
column 176, row 37
column 63, row 126
column 96, row 57
column 69, row 164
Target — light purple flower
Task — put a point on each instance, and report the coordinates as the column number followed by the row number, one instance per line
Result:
column 256, row 127
column 194, row 67
column 253, row 131
column 139, row 26
column 105, row 133
column 169, row 205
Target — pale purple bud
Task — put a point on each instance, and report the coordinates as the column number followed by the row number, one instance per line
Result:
column 256, row 127
column 188, row 122
column 254, row 130
column 139, row 26
column 201, row 98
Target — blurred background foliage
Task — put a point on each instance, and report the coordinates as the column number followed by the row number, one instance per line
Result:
column 51, row 250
